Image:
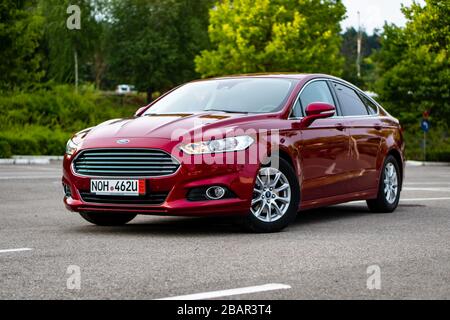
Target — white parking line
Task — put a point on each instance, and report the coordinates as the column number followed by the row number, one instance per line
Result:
column 424, row 199
column 427, row 189
column 425, row 183
column 15, row 250
column 407, row 200
column 31, row 178
column 230, row 292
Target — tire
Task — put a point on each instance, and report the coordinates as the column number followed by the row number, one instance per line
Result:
column 287, row 210
column 107, row 219
column 385, row 201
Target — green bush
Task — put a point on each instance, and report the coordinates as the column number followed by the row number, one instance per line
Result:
column 32, row 140
column 5, row 149
column 438, row 143
column 439, row 155
column 39, row 123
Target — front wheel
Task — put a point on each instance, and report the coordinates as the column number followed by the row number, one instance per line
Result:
column 389, row 188
column 276, row 197
column 107, row 219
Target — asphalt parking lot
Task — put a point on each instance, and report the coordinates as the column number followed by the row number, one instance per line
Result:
column 324, row 255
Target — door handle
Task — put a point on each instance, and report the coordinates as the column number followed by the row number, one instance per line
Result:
column 340, row 126
column 377, row 126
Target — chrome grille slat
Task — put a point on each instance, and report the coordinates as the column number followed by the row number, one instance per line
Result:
column 121, row 158
column 131, row 154
column 122, row 172
column 125, row 156
column 121, row 167
column 127, row 163
column 123, row 162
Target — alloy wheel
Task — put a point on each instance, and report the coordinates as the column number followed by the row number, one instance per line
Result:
column 271, row 195
column 390, row 183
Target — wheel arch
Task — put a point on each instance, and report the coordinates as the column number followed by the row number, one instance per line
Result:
column 285, row 156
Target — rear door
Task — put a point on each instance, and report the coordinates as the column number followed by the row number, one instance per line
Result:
column 365, row 137
column 324, row 146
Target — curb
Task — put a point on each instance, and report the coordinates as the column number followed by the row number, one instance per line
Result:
column 30, row 160
column 427, row 164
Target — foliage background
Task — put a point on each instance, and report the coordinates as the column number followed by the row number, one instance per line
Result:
column 159, row 44
column 413, row 75
column 251, row 36
column 41, row 122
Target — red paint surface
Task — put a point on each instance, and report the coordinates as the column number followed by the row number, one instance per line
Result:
column 336, row 159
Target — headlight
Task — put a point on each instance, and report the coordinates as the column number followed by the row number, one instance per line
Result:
column 216, row 146
column 74, row 143
column 71, row 147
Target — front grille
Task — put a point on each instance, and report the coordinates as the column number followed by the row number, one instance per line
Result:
column 150, row 199
column 125, row 163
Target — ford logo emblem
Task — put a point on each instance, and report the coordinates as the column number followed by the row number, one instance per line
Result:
column 123, row 141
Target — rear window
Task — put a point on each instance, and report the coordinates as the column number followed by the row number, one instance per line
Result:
column 351, row 103
column 372, row 108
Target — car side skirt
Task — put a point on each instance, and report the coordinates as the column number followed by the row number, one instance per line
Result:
column 340, row 199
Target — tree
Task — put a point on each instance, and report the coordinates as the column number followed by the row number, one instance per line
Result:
column 152, row 44
column 20, row 49
column 370, row 43
column 70, row 48
column 414, row 64
column 273, row 35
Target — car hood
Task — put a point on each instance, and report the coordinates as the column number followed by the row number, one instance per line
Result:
column 168, row 126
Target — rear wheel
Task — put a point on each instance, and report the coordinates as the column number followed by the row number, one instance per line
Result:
column 276, row 198
column 389, row 189
column 107, row 219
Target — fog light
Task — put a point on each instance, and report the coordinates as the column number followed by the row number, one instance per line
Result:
column 215, row 193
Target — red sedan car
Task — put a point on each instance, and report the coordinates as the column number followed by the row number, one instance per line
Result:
column 261, row 147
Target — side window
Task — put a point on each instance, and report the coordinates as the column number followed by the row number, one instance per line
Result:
column 297, row 110
column 371, row 107
column 351, row 103
column 317, row 91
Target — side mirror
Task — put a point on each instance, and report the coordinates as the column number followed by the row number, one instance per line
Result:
column 315, row 111
column 140, row 111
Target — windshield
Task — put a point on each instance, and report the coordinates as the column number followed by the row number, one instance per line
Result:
column 248, row 95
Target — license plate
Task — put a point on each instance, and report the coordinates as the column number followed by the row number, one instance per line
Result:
column 118, row 187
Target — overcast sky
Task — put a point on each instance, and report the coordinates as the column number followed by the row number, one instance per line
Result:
column 375, row 12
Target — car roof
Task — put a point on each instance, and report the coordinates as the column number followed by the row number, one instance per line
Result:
column 301, row 77
column 279, row 75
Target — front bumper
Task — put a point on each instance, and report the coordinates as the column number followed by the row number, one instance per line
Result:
column 238, row 178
